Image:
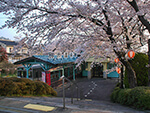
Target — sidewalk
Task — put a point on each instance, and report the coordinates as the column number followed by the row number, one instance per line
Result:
column 17, row 105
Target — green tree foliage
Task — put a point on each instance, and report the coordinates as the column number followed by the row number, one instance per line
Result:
column 8, row 68
column 139, row 65
column 3, row 54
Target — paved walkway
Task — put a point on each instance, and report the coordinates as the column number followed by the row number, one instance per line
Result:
column 95, row 89
column 17, row 105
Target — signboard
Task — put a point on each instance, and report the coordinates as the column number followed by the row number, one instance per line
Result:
column 43, row 76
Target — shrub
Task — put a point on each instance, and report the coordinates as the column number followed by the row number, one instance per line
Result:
column 7, row 87
column 115, row 93
column 42, row 88
column 138, row 97
column 22, row 86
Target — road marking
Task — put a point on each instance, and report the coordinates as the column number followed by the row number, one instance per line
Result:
column 39, row 107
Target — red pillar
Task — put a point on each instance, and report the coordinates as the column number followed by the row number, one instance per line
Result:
column 48, row 77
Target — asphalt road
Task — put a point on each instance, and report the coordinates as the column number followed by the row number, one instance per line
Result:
column 95, row 89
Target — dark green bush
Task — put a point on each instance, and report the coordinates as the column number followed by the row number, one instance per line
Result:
column 48, row 90
column 22, row 86
column 138, row 97
column 115, row 94
column 42, row 88
column 7, row 87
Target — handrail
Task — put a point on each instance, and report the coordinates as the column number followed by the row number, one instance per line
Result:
column 72, row 88
column 77, row 87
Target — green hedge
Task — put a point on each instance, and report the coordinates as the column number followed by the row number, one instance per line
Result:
column 138, row 97
column 22, row 86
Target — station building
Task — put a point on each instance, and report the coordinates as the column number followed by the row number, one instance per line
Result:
column 50, row 69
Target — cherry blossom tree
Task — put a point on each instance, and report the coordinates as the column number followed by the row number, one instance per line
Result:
column 3, row 54
column 98, row 28
column 141, row 11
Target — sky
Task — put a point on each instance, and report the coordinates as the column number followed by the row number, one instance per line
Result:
column 7, row 33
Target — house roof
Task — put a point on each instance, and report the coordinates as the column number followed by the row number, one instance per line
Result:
column 8, row 42
column 46, row 59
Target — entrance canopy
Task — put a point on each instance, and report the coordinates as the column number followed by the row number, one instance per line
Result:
column 46, row 62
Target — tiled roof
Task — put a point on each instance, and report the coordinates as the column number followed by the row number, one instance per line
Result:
column 8, row 42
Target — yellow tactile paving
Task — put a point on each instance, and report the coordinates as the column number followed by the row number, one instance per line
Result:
column 39, row 107
column 88, row 99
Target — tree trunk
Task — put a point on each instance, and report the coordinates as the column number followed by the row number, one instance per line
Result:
column 149, row 62
column 121, row 85
column 130, row 73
